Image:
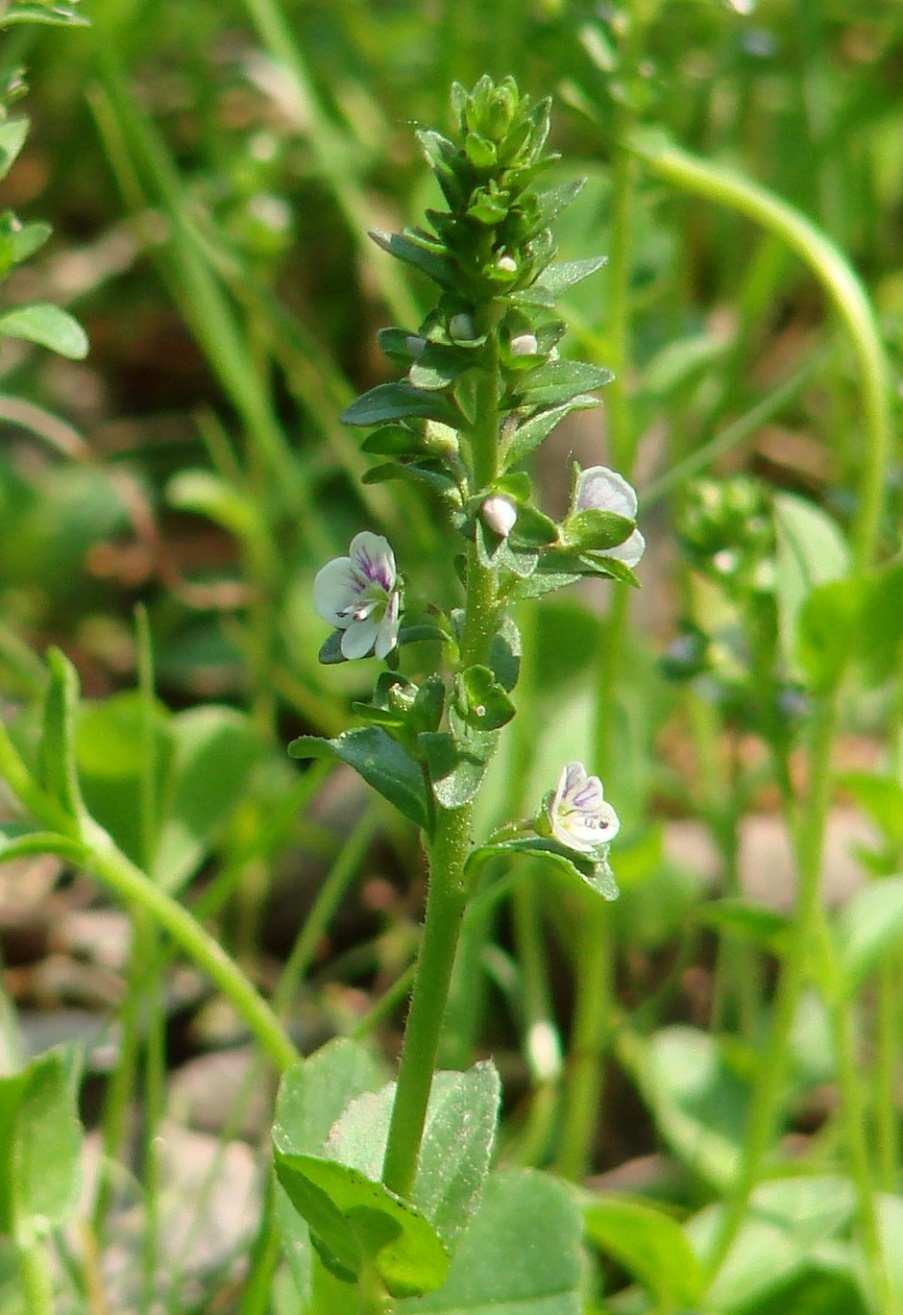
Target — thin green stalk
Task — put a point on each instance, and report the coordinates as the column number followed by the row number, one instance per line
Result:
column 34, row 1271
column 339, row 877
column 839, row 281
column 111, row 866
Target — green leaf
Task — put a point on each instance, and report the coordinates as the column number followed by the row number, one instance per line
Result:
column 522, row 1254
column 783, row 1255
column 58, row 14
column 208, row 494
column 557, row 278
column 354, row 1220
column 828, row 624
column 455, row 774
column 40, row 1145
column 215, row 750
column 397, row 401
column 18, row 241
column 810, row 551
column 380, row 761
column 762, row 926
column 589, row 871
column 594, row 531
column 881, row 797
column 12, row 138
column 698, row 1101
column 455, row 1152
column 392, row 441
column 313, row 1094
column 487, row 706
column 880, row 637
column 558, row 382
column 48, row 326
column 531, row 433
column 869, row 926
column 56, row 752
column 650, row 1245
column 414, row 251
column 505, row 654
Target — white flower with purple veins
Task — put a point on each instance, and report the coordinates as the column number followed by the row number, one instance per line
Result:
column 601, row 489
column 360, row 595
column 579, row 815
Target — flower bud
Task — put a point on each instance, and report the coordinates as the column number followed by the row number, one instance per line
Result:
column 461, row 327
column 507, row 264
column 499, row 513
column 524, row 344
column 415, row 345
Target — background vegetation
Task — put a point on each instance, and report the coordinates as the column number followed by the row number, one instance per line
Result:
column 210, row 173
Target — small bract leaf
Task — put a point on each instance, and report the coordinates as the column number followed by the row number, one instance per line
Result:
column 455, row 774
column 48, row 326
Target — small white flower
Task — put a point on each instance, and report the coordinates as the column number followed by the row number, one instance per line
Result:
column 499, row 513
column 579, row 816
column 601, row 489
column 461, row 328
column 360, row 595
column 524, row 344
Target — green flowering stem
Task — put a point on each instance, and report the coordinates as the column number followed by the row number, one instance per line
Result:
column 848, row 296
column 449, row 850
column 446, row 901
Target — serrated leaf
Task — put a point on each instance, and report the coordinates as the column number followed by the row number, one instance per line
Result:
column 48, row 326
column 313, row 1093
column 396, row 401
column 455, row 1151
column 355, row 1221
column 381, row 762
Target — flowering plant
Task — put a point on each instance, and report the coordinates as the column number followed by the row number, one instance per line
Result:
column 484, row 385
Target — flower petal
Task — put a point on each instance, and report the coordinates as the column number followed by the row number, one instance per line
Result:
column 601, row 489
column 629, row 552
column 387, row 636
column 374, row 558
column 359, row 638
column 335, row 590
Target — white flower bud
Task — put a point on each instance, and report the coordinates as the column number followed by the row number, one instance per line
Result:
column 461, row 328
column 415, row 345
column 507, row 263
column 499, row 513
column 524, row 344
